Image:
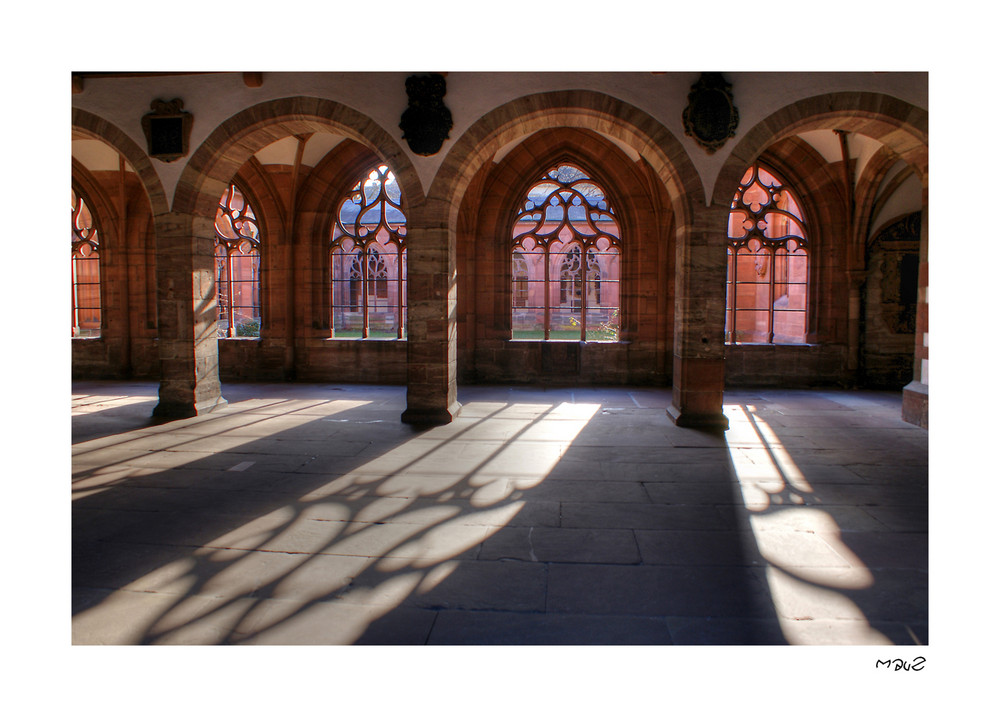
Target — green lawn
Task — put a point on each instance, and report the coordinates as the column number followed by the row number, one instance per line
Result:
column 372, row 334
column 565, row 335
column 520, row 335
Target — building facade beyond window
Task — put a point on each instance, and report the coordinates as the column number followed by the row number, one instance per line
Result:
column 237, row 264
column 565, row 261
column 767, row 280
column 368, row 260
column 86, row 271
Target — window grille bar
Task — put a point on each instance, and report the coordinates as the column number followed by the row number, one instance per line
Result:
column 76, row 300
column 732, row 297
column 770, row 296
column 584, row 290
column 548, row 294
column 399, row 297
column 230, row 323
column 365, row 279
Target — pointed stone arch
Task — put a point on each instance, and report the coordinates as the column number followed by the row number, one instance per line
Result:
column 189, row 355
column 645, row 220
column 432, row 383
column 124, row 213
column 235, row 140
column 893, row 122
column 94, row 127
column 584, row 109
column 899, row 126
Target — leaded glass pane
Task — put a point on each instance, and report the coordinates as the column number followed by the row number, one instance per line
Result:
column 565, row 267
column 368, row 260
column 237, row 261
column 767, row 274
column 86, row 266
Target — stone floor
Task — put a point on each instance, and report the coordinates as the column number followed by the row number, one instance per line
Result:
column 309, row 514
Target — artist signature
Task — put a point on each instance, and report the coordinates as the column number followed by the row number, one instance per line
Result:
column 914, row 665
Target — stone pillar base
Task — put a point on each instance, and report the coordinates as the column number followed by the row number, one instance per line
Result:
column 430, row 417
column 915, row 403
column 171, row 410
column 714, row 421
column 697, row 393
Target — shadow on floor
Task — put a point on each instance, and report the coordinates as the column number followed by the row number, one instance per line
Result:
column 305, row 515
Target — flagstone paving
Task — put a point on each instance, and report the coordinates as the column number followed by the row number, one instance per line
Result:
column 309, row 514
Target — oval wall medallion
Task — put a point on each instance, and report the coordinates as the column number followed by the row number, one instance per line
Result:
column 711, row 117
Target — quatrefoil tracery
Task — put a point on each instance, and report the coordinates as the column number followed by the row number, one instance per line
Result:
column 570, row 204
column 769, row 214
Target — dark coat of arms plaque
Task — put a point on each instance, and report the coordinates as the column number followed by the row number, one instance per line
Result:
column 711, row 117
column 426, row 122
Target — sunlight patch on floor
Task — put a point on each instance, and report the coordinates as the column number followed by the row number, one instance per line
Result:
column 809, row 566
column 363, row 543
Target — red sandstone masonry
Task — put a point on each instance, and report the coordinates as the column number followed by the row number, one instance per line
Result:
column 484, row 291
column 663, row 191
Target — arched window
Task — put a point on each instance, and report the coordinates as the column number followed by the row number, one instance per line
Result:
column 565, row 238
column 86, row 271
column 368, row 260
column 768, row 263
column 237, row 266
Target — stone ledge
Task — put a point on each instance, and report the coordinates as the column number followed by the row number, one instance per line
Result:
column 916, row 403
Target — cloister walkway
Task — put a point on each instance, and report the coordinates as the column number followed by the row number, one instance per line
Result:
column 309, row 514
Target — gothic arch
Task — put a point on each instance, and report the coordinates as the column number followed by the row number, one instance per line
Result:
column 317, row 202
column 122, row 215
column 105, row 211
column 583, row 109
column 869, row 189
column 893, row 122
column 821, row 194
column 483, row 250
column 235, row 140
column 95, row 127
column 507, row 181
column 902, row 129
column 331, row 179
column 259, row 189
column 104, row 222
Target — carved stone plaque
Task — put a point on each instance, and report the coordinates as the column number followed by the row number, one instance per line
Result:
column 710, row 117
column 426, row 122
column 167, row 129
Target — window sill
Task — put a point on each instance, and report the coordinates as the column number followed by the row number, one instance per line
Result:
column 376, row 339
column 567, row 341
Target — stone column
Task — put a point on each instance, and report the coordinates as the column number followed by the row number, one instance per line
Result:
column 186, row 316
column 915, row 393
column 699, row 321
column 855, row 280
column 431, row 328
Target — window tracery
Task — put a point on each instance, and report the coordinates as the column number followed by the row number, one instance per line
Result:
column 767, row 263
column 86, row 266
column 565, row 238
column 237, row 262
column 368, row 260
